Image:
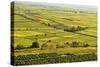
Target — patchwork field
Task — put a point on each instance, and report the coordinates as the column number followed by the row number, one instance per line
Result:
column 38, row 28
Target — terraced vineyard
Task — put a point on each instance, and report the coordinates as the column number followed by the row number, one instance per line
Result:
column 38, row 28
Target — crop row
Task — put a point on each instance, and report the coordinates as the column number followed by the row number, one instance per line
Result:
column 48, row 58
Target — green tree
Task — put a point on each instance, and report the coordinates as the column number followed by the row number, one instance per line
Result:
column 35, row 44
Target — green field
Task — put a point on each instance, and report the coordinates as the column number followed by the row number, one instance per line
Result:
column 37, row 29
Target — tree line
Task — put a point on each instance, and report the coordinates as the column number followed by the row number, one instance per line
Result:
column 52, row 45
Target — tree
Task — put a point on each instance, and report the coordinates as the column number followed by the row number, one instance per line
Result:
column 67, row 43
column 49, row 41
column 35, row 44
column 48, row 24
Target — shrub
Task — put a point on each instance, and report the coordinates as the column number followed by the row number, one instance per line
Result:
column 67, row 43
column 35, row 45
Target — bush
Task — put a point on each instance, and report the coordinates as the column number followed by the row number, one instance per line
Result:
column 35, row 45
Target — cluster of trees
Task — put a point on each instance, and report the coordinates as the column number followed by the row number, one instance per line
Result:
column 67, row 28
column 74, row 29
column 77, row 44
column 73, row 44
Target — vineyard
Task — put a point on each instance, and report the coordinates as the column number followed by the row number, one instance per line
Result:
column 52, row 58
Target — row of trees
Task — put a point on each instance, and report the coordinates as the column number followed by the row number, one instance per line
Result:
column 77, row 44
column 73, row 44
column 51, row 45
column 67, row 28
column 74, row 29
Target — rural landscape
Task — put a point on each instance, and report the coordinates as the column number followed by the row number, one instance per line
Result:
column 45, row 33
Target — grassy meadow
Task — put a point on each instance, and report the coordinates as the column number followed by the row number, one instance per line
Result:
column 54, row 31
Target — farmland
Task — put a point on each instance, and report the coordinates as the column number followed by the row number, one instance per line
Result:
column 38, row 29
